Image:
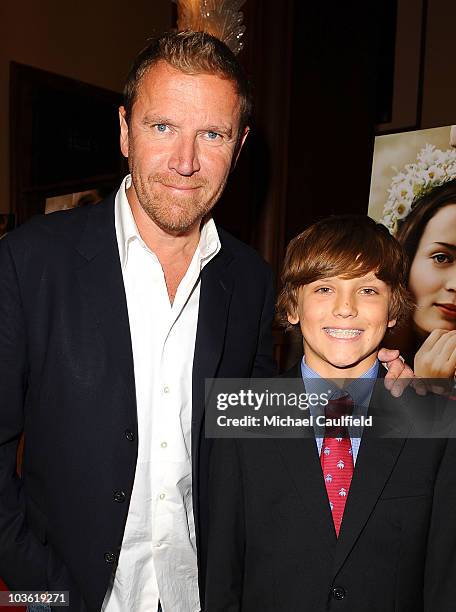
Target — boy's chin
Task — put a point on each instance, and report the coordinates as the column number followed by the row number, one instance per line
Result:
column 349, row 363
column 343, row 368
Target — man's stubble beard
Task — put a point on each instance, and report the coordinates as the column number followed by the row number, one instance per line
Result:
column 171, row 214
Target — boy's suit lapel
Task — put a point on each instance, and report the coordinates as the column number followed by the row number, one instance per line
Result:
column 300, row 457
column 376, row 460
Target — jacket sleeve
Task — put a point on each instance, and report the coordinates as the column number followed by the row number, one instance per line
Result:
column 226, row 530
column 264, row 365
column 23, row 558
column 440, row 571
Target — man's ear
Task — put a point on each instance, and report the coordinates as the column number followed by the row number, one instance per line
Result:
column 123, row 131
column 239, row 145
column 392, row 322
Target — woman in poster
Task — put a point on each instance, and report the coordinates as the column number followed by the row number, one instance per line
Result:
column 421, row 213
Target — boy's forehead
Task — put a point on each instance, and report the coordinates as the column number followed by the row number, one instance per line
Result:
column 351, row 276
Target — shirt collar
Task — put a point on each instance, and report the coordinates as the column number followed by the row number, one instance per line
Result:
column 360, row 389
column 127, row 230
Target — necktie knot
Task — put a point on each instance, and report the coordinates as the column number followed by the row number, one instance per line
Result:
column 335, row 410
column 341, row 406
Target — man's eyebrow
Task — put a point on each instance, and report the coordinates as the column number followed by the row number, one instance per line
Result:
column 446, row 245
column 159, row 119
column 220, row 129
column 152, row 119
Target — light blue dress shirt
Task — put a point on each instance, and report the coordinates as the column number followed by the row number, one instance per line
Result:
column 360, row 390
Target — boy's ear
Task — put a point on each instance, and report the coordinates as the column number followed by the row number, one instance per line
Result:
column 392, row 322
column 292, row 318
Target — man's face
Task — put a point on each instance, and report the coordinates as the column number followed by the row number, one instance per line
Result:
column 180, row 145
column 343, row 322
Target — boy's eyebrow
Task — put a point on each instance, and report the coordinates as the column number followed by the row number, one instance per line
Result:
column 447, row 245
column 366, row 278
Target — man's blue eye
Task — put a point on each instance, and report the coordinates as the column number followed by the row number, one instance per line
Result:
column 212, row 135
column 161, row 127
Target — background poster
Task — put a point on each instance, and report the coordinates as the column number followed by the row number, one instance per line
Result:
column 392, row 152
column 413, row 193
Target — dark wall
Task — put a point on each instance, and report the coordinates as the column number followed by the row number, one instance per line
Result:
column 322, row 76
column 336, row 76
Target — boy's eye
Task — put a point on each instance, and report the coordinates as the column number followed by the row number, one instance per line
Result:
column 442, row 258
column 323, row 290
column 368, row 291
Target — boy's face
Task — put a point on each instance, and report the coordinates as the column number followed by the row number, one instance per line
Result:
column 343, row 322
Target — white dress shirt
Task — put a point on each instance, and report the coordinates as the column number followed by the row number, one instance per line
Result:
column 158, row 559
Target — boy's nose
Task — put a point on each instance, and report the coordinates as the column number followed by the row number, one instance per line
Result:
column 344, row 308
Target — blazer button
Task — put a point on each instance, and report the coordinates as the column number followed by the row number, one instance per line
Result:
column 110, row 557
column 119, row 497
column 338, row 592
column 129, row 435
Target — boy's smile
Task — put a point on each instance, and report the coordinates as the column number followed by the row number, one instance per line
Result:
column 343, row 321
column 342, row 333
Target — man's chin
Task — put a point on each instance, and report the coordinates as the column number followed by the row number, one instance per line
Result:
column 176, row 226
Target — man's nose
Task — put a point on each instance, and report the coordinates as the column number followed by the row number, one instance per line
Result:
column 184, row 156
column 345, row 306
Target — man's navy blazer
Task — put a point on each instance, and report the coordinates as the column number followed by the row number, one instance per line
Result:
column 67, row 381
column 272, row 543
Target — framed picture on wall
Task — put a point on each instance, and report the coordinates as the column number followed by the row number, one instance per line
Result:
column 64, row 138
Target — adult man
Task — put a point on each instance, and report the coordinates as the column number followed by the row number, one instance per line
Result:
column 112, row 317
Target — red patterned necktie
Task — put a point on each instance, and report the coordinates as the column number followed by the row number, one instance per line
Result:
column 337, row 459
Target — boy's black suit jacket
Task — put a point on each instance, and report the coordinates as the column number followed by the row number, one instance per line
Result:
column 272, row 542
column 67, row 380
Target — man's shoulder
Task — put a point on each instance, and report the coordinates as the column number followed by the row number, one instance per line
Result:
column 60, row 229
column 55, row 224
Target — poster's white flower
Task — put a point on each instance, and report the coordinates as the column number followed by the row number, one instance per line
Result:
column 433, row 167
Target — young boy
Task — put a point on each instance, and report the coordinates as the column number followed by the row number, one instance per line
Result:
column 338, row 521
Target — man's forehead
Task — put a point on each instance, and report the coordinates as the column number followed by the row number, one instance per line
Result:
column 166, row 91
column 162, row 76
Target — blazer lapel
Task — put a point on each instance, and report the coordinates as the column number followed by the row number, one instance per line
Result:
column 215, row 296
column 376, row 460
column 100, row 276
column 303, row 465
column 302, row 462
